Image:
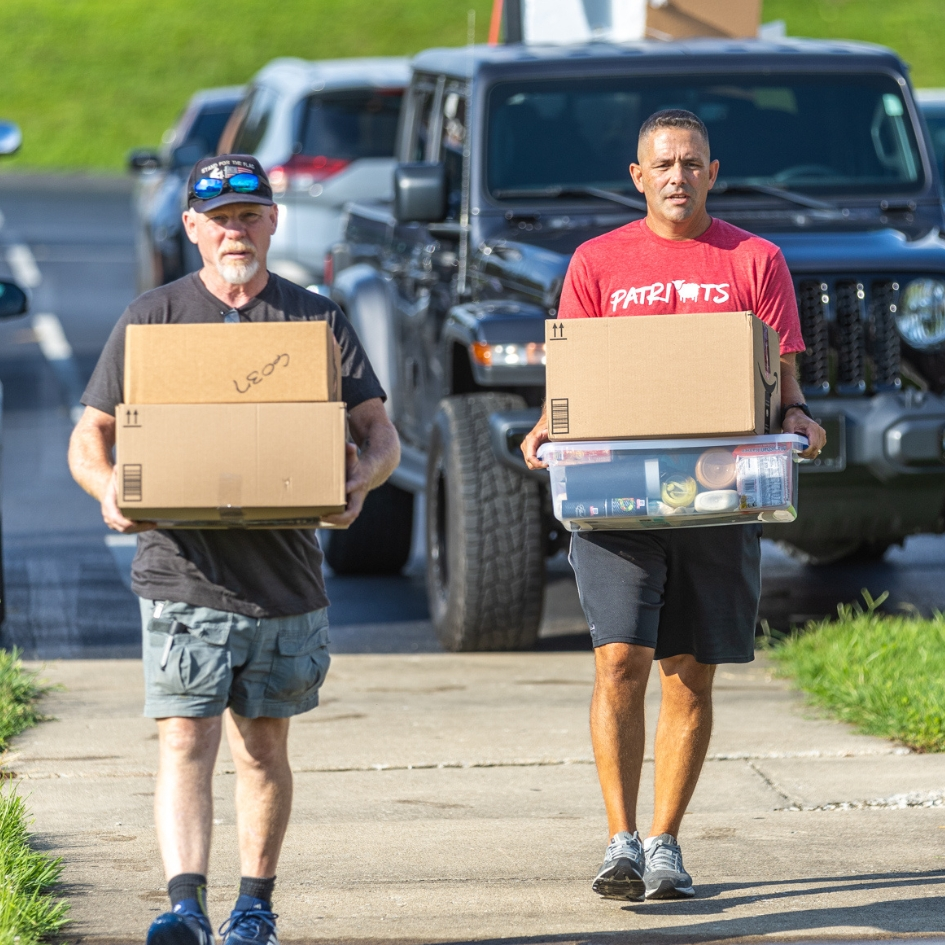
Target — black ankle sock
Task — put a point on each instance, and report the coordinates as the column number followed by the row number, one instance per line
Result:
column 188, row 886
column 257, row 888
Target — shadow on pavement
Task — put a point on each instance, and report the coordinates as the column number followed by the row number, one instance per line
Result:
column 793, row 593
column 918, row 918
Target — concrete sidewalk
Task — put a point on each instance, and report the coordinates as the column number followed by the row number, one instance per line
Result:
column 454, row 798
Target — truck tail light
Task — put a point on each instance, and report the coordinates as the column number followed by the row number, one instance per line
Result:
column 508, row 355
column 302, row 172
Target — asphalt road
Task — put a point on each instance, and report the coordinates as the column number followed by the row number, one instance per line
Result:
column 66, row 578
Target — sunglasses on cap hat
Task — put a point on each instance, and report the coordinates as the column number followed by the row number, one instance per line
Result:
column 206, row 188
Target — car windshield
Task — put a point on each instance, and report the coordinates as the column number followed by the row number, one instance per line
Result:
column 838, row 134
column 208, row 126
column 351, row 124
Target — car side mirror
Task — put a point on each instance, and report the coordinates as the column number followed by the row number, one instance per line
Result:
column 10, row 137
column 420, row 193
column 13, row 300
column 187, row 155
column 143, row 159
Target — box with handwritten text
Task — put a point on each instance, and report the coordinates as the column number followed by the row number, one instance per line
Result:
column 245, row 363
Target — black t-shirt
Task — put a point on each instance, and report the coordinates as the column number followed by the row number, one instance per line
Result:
column 256, row 573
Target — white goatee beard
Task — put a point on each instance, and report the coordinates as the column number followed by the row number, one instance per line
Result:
column 239, row 273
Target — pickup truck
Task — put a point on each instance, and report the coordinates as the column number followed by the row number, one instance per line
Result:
column 509, row 158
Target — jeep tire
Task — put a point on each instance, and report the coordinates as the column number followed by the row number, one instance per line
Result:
column 485, row 561
column 378, row 541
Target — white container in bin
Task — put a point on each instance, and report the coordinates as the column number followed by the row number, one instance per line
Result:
column 624, row 484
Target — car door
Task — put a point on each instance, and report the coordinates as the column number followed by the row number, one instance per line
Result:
column 410, row 263
column 427, row 284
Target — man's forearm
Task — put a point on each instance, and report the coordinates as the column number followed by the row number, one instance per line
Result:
column 90, row 459
column 791, row 392
column 380, row 454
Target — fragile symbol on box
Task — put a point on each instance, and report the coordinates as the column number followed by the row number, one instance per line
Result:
column 131, row 482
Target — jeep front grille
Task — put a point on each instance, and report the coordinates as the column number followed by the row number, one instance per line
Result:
column 849, row 328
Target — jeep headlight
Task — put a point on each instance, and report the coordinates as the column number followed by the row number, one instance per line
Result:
column 508, row 355
column 920, row 317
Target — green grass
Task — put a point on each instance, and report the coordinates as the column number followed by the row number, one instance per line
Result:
column 914, row 28
column 28, row 913
column 90, row 79
column 883, row 673
column 19, row 692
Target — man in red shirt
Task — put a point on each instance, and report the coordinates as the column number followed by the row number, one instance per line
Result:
column 686, row 597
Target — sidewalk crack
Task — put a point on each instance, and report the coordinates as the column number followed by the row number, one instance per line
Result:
column 793, row 803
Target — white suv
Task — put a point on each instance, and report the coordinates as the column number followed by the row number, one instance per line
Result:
column 325, row 132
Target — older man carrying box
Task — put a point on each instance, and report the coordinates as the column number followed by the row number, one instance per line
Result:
column 245, row 609
column 686, row 597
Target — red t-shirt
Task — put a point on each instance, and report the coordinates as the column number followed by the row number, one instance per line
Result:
column 632, row 271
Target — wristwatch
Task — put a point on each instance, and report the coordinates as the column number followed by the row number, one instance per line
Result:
column 802, row 407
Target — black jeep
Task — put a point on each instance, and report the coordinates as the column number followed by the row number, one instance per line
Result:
column 512, row 156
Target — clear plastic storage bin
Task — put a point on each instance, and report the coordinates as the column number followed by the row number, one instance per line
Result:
column 674, row 483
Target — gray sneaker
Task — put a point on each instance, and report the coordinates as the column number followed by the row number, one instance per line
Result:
column 621, row 876
column 665, row 876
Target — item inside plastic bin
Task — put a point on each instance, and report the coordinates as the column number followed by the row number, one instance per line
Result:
column 664, row 483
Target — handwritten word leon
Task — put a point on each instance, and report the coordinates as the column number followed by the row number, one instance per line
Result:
column 660, row 292
column 256, row 377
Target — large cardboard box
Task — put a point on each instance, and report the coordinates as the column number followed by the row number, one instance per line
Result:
column 219, row 465
column 662, row 375
column 621, row 21
column 685, row 19
column 247, row 363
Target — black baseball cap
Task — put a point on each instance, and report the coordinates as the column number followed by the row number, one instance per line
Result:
column 223, row 167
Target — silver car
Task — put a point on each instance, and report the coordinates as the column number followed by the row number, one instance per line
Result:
column 163, row 251
column 325, row 132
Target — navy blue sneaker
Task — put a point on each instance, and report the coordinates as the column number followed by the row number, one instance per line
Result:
column 255, row 925
column 185, row 924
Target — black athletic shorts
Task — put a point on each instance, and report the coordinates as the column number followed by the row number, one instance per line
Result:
column 686, row 590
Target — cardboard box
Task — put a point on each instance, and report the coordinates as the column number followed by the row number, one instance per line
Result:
column 662, row 375
column 248, row 363
column 220, row 465
column 686, row 19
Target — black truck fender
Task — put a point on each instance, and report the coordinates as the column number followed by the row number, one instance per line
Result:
column 497, row 323
column 366, row 297
column 501, row 323
column 507, row 429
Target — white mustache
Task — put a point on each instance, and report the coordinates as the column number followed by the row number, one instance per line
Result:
column 237, row 248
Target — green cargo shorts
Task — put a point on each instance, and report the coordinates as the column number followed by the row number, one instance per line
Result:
column 199, row 661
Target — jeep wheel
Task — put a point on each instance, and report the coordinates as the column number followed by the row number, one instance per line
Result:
column 378, row 542
column 485, row 566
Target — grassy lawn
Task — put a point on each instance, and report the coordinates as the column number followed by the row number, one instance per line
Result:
column 28, row 913
column 884, row 674
column 89, row 79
